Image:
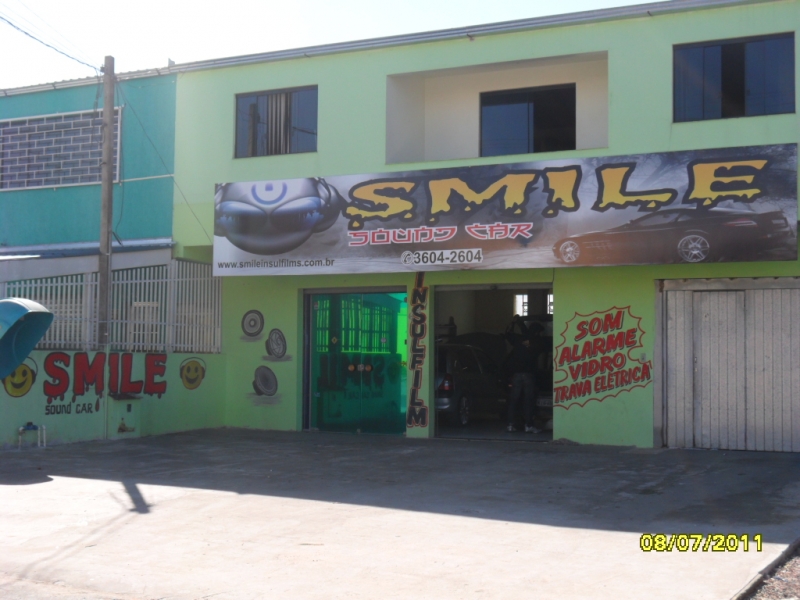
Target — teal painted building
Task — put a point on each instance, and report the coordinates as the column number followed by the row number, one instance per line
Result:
column 50, row 139
column 67, row 213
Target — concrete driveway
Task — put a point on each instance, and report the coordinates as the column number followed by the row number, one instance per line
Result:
column 245, row 514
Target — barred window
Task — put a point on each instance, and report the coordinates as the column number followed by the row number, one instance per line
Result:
column 54, row 150
column 162, row 308
column 276, row 122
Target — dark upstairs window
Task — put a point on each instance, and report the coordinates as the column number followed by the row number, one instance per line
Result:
column 540, row 119
column 276, row 122
column 736, row 78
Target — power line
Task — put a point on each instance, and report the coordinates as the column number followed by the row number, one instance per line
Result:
column 34, row 27
column 163, row 162
column 21, row 30
column 37, row 30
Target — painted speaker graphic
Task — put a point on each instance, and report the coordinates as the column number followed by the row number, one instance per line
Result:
column 252, row 323
column 276, row 344
column 265, row 383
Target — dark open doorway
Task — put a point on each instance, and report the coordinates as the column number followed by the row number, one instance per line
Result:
column 476, row 331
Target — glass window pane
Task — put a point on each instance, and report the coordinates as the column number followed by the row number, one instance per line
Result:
column 465, row 361
column 504, row 129
column 712, row 82
column 733, row 85
column 304, row 121
column 769, row 75
column 779, row 78
column 735, row 78
column 261, row 127
column 754, row 78
column 659, row 218
column 688, row 84
column 279, row 122
column 553, row 119
column 245, row 106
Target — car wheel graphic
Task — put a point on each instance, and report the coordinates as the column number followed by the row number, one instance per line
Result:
column 694, row 248
column 570, row 251
column 252, row 323
column 276, row 343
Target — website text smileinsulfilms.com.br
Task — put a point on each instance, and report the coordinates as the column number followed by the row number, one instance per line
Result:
column 276, row 264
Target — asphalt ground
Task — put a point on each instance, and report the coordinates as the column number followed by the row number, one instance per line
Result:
column 234, row 513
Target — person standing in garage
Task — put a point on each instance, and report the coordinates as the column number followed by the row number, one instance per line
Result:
column 521, row 364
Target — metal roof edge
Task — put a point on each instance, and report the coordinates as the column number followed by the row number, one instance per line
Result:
column 136, row 243
column 578, row 18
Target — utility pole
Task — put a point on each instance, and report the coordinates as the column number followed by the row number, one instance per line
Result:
column 106, row 206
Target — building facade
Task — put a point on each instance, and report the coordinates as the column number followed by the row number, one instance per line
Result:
column 623, row 180
column 51, row 138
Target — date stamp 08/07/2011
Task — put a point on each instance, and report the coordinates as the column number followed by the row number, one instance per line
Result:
column 699, row 542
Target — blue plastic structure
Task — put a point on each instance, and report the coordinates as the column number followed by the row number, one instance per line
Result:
column 22, row 324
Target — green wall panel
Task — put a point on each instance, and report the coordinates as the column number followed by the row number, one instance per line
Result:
column 72, row 214
column 625, row 419
column 280, row 301
column 187, row 402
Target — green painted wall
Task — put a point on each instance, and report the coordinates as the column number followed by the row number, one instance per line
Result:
column 280, row 300
column 352, row 114
column 90, row 417
column 142, row 209
column 628, row 418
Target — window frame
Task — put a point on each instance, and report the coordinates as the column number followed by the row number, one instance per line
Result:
column 527, row 90
column 722, row 42
column 286, row 90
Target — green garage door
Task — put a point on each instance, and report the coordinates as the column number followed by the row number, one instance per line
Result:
column 357, row 359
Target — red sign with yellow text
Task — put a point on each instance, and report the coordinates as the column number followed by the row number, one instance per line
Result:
column 599, row 357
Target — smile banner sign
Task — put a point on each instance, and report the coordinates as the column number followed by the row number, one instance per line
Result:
column 728, row 204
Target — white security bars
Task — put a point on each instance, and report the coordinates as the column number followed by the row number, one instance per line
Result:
column 165, row 308
column 72, row 299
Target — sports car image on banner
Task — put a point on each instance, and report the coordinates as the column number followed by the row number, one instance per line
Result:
column 719, row 205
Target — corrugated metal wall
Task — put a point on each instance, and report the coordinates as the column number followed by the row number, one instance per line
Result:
column 732, row 377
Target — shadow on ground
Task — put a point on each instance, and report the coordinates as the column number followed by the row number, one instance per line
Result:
column 607, row 488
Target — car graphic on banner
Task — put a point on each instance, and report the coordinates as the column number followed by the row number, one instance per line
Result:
column 683, row 235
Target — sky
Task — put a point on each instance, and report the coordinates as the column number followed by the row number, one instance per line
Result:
column 147, row 33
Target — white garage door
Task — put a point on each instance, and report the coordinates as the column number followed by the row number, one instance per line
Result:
column 732, row 376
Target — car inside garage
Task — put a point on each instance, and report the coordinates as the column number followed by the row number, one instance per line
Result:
column 483, row 334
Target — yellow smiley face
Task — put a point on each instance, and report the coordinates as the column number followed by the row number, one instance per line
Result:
column 20, row 381
column 192, row 374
